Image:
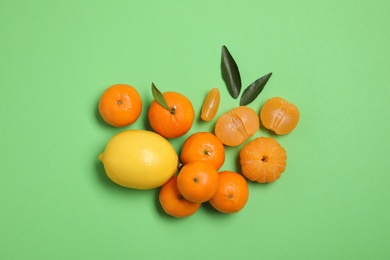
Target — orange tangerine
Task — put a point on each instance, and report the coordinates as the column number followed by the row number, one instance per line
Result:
column 174, row 122
column 236, row 126
column 279, row 115
column 203, row 146
column 198, row 181
column 120, row 105
column 232, row 194
column 263, row 160
column 173, row 203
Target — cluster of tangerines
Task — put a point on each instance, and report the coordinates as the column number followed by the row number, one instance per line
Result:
column 199, row 178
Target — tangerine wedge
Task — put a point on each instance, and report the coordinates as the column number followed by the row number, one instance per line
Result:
column 236, row 126
column 210, row 105
column 279, row 115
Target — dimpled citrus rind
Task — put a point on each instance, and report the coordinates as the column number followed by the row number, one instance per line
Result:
column 120, row 105
column 174, row 122
column 139, row 159
column 232, row 194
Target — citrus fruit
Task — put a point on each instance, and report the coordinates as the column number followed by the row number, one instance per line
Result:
column 120, row 105
column 263, row 160
column 236, row 126
column 198, row 181
column 175, row 121
column 139, row 159
column 210, row 105
column 173, row 203
column 203, row 146
column 232, row 194
column 279, row 115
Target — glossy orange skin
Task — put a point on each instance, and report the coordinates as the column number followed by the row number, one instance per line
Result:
column 263, row 160
column 236, row 126
column 173, row 203
column 172, row 124
column 279, row 115
column 120, row 105
column 203, row 146
column 198, row 181
column 232, row 194
column 210, row 105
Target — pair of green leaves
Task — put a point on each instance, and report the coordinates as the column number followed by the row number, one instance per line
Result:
column 232, row 78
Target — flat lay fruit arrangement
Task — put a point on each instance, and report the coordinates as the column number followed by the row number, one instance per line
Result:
column 145, row 159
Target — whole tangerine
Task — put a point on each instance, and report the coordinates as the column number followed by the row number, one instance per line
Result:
column 203, row 146
column 173, row 202
column 198, row 181
column 232, row 194
column 120, row 105
column 175, row 121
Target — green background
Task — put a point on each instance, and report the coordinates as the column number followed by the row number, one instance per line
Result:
column 330, row 58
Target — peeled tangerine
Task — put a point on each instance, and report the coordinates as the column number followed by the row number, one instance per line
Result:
column 236, row 126
column 139, row 159
column 279, row 115
column 263, row 160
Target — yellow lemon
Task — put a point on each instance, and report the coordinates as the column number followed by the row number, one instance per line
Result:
column 139, row 159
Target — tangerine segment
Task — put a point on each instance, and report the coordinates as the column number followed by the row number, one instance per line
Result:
column 263, row 160
column 279, row 115
column 232, row 194
column 174, row 122
column 236, row 126
column 210, row 105
column 198, row 181
column 203, row 146
column 173, row 203
column 120, row 105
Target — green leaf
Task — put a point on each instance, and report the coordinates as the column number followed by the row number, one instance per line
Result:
column 158, row 96
column 230, row 73
column 254, row 89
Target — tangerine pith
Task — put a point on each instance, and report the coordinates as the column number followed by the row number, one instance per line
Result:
column 236, row 126
column 263, row 160
column 279, row 115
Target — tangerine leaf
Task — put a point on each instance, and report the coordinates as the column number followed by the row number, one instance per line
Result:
column 158, row 96
column 230, row 73
column 254, row 89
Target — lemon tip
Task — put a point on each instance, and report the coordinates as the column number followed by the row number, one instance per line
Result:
column 100, row 157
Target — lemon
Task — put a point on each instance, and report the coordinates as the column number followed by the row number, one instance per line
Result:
column 139, row 159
